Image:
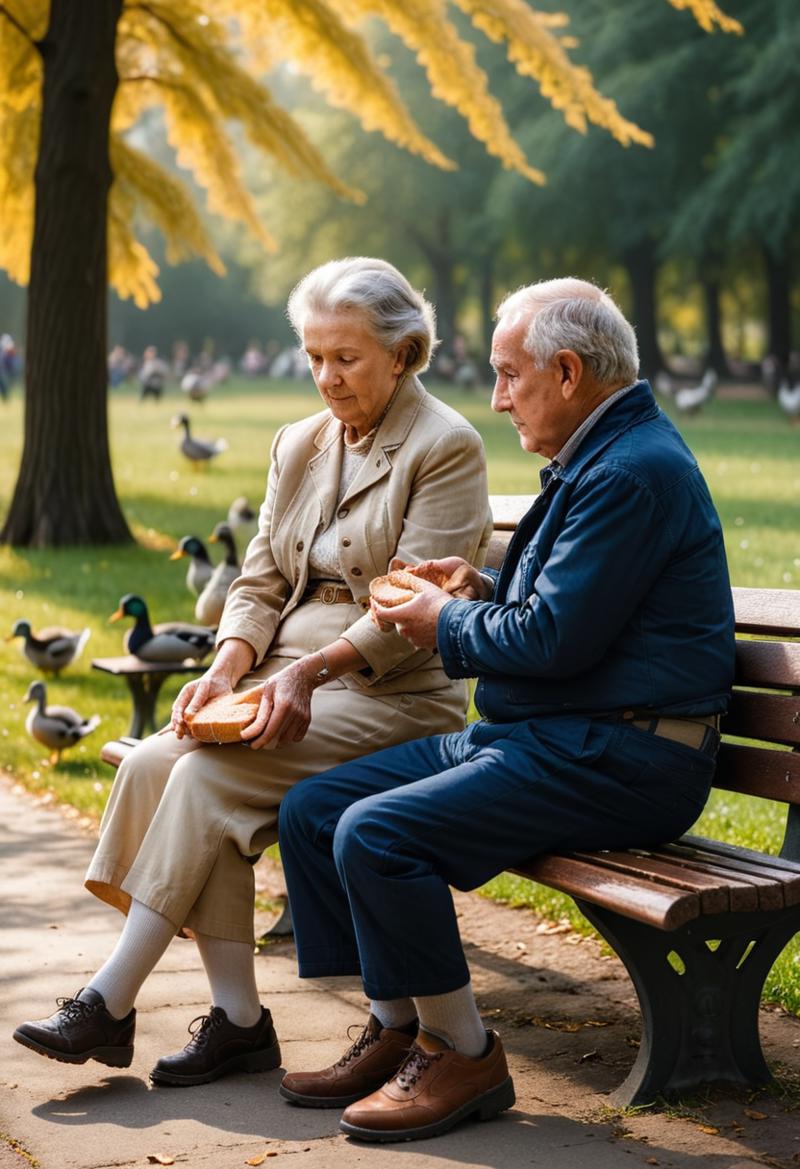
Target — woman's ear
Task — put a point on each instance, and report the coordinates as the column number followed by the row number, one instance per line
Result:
column 401, row 359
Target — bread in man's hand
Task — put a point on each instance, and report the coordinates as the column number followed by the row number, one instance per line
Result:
column 400, row 585
column 223, row 719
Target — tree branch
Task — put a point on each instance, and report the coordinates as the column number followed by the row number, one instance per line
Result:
column 19, row 27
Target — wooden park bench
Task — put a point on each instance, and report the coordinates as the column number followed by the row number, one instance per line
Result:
column 698, row 923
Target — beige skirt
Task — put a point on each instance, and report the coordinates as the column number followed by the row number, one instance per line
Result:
column 183, row 817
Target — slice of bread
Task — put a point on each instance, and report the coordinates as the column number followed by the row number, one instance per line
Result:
column 223, row 719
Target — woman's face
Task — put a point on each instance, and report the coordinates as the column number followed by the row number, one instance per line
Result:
column 353, row 372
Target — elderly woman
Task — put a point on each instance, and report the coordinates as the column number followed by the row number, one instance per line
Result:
column 384, row 471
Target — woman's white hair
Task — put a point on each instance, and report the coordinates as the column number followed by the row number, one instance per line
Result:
column 396, row 313
column 573, row 314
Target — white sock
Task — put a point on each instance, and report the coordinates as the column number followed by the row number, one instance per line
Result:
column 231, row 970
column 454, row 1017
column 394, row 1013
column 144, row 938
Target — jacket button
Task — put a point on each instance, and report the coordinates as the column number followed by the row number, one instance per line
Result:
column 356, row 571
column 342, row 512
column 345, row 542
column 300, row 545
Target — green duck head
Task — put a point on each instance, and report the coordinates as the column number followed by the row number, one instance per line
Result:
column 180, row 420
column 191, row 546
column 21, row 629
column 130, row 605
column 36, row 693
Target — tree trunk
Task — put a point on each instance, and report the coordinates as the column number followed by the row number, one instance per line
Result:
column 640, row 264
column 65, row 491
column 779, row 307
column 715, row 357
column 486, row 298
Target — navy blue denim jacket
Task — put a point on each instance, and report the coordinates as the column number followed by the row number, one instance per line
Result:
column 614, row 593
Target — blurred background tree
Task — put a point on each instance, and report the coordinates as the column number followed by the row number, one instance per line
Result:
column 77, row 78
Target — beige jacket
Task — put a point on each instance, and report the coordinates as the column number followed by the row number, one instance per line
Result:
column 421, row 493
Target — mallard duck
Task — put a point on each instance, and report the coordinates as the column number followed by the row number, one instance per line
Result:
column 242, row 520
column 196, row 450
column 170, row 642
column 50, row 650
column 55, row 727
column 200, row 567
column 211, row 601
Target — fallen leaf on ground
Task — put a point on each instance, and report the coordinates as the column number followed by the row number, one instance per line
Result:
column 651, row 1161
column 751, row 1112
column 259, row 1160
column 708, row 1128
column 567, row 1024
column 160, row 1159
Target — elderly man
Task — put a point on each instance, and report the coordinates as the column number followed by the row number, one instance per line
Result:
column 604, row 655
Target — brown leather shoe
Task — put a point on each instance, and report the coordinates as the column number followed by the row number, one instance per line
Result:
column 431, row 1092
column 371, row 1061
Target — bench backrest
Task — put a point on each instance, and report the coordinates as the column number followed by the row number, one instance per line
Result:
column 759, row 755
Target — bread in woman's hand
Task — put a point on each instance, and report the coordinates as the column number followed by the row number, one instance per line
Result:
column 223, row 719
column 400, row 585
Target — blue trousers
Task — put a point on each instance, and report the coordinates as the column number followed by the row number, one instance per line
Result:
column 371, row 847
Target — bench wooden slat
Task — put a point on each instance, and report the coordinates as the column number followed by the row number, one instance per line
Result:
column 681, row 872
column 768, row 663
column 768, row 885
column 786, row 870
column 768, row 611
column 756, row 715
column 759, row 771
column 648, row 901
column 116, row 750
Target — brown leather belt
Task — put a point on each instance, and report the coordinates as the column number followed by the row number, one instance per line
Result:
column 329, row 593
column 693, row 732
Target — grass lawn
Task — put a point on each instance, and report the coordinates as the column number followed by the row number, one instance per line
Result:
column 747, row 451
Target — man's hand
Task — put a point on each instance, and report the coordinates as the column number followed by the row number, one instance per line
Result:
column 417, row 619
column 464, row 580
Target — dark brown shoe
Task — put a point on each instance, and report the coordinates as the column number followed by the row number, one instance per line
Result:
column 371, row 1061
column 81, row 1029
column 431, row 1092
column 218, row 1048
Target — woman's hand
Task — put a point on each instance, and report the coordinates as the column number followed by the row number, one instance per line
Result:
column 195, row 694
column 284, row 713
column 234, row 659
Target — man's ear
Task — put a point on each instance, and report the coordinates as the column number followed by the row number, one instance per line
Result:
column 570, row 369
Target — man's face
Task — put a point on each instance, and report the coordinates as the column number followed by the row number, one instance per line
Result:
column 531, row 397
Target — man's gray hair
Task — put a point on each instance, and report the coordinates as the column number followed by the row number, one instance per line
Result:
column 573, row 314
column 396, row 313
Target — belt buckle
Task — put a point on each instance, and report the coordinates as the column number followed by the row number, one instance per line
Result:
column 328, row 594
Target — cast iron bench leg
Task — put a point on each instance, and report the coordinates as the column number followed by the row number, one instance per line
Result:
column 699, row 1024
column 144, row 690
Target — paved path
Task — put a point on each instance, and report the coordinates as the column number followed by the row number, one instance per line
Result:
column 566, row 1014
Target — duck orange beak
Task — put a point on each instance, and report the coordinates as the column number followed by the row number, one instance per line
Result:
column 117, row 615
column 177, row 554
column 212, row 539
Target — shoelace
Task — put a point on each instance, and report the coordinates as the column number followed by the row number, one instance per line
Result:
column 202, row 1032
column 416, row 1062
column 76, row 1008
column 365, row 1040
